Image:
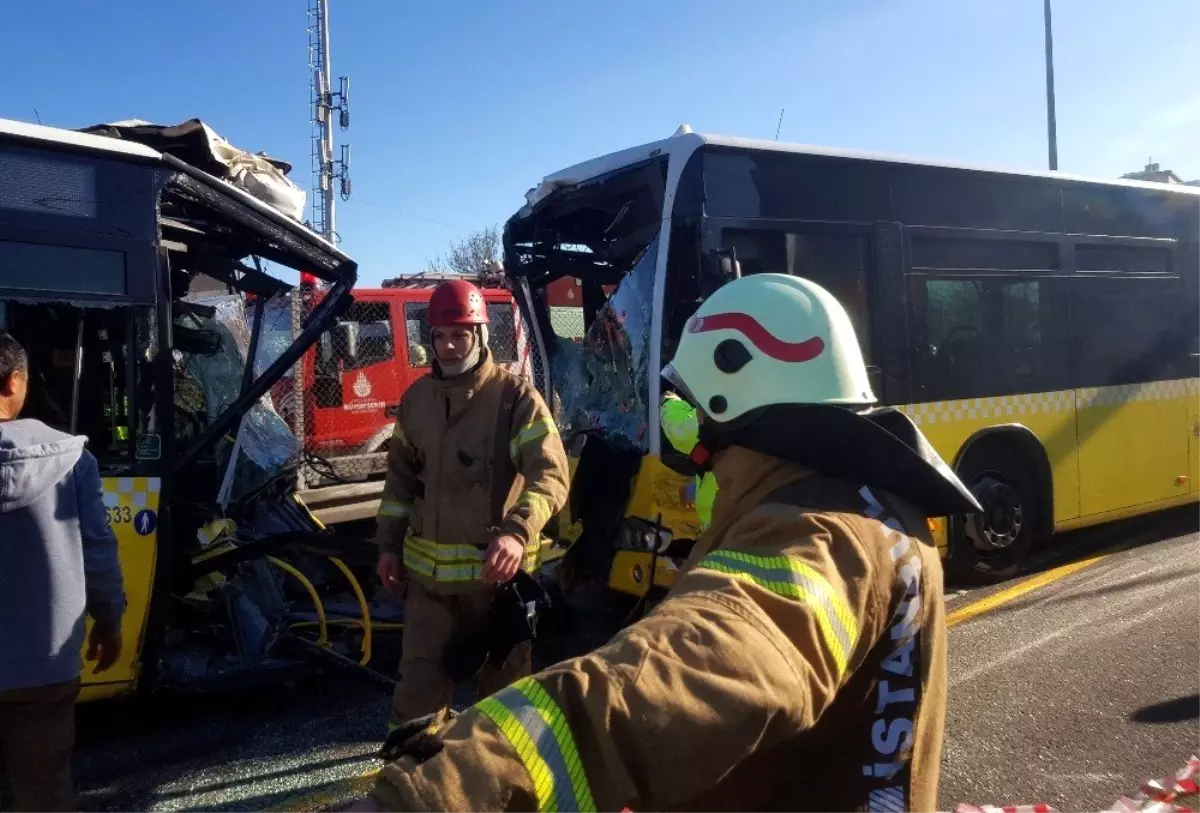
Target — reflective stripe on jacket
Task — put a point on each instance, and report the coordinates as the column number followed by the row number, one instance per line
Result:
column 798, row 664
column 437, row 501
column 451, row 564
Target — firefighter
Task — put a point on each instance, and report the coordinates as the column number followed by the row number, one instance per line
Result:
column 475, row 470
column 799, row 662
column 681, row 424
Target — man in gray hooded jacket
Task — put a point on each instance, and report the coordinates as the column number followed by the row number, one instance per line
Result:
column 58, row 562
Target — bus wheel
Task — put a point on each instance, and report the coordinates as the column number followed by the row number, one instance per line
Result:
column 989, row 547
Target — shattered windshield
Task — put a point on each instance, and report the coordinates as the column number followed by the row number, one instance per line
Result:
column 588, row 254
column 601, row 380
column 210, row 370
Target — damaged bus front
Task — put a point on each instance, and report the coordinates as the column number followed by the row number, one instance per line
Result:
column 623, row 221
column 138, row 284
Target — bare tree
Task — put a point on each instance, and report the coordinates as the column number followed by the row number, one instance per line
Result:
column 469, row 255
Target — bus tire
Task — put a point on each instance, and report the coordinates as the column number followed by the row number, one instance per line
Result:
column 990, row 547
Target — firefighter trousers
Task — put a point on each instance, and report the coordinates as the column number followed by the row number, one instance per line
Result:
column 430, row 620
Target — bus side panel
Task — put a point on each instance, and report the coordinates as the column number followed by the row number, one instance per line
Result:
column 1132, row 373
column 1130, row 445
column 1193, row 430
column 656, row 490
column 1051, row 416
column 132, row 504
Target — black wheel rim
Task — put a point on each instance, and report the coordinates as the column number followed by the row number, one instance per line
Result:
column 1003, row 518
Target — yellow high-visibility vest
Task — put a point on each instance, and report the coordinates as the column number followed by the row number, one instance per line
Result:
column 681, row 424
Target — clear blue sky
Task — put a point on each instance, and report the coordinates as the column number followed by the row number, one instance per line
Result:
column 459, row 107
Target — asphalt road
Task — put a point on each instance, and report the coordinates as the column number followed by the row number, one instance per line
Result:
column 1087, row 687
column 1071, row 693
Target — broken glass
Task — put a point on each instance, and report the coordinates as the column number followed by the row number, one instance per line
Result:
column 601, row 382
column 264, row 442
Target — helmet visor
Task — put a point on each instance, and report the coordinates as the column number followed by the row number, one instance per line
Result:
column 673, row 378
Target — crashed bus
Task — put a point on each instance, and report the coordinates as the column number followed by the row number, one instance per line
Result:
column 1041, row 330
column 229, row 578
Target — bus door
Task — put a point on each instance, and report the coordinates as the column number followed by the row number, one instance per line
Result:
column 90, row 374
column 1133, row 405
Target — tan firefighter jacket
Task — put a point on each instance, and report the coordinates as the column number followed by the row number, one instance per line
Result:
column 798, row 664
column 469, row 456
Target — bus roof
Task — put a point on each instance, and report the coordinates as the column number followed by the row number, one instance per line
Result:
column 69, row 138
column 122, row 149
column 684, row 142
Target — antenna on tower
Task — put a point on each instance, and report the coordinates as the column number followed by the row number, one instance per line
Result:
column 325, row 102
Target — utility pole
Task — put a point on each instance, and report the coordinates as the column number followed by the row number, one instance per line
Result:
column 325, row 103
column 1051, row 125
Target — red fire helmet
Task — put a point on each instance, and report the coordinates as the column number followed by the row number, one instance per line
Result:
column 457, row 302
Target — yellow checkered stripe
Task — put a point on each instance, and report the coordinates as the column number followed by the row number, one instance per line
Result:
column 1135, row 393
column 795, row 580
column 532, row 433
column 1008, row 407
column 455, row 564
column 538, row 731
column 1001, row 407
column 131, row 491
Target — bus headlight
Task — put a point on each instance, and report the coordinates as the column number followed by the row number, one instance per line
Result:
column 637, row 534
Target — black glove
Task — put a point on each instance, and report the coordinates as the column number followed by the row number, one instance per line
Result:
column 511, row 620
column 417, row 738
column 513, row 616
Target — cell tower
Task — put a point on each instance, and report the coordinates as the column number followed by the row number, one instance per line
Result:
column 325, row 103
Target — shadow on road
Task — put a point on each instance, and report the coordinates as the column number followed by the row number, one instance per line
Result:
column 1169, row 711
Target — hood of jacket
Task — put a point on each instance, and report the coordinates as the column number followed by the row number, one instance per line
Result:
column 33, row 459
column 468, row 382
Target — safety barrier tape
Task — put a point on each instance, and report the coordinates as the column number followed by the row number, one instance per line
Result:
column 1007, row 809
column 1161, row 794
column 1156, row 796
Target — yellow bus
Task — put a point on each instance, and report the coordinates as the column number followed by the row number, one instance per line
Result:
column 105, row 246
column 1040, row 328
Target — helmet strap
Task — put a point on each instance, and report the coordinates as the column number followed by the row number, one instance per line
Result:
column 702, row 457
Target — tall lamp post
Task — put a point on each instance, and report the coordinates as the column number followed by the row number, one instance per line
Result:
column 1051, row 126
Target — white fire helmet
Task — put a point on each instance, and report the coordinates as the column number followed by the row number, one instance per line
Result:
column 769, row 339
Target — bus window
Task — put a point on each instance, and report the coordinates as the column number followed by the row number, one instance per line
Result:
column 978, row 337
column 835, row 260
column 33, row 267
column 1129, row 330
column 1139, row 259
column 60, row 339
